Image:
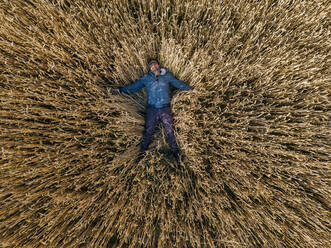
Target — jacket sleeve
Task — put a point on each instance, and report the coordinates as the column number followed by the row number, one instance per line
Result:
column 178, row 83
column 137, row 85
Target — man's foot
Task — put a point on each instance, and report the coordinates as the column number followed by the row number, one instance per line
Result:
column 140, row 156
column 177, row 157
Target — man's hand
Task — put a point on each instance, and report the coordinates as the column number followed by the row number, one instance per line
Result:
column 115, row 91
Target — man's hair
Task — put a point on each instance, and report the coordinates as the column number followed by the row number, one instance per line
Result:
column 152, row 61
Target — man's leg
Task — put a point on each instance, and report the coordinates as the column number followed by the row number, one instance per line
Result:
column 150, row 125
column 168, row 124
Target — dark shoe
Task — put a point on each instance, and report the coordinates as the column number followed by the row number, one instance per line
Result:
column 140, row 156
column 177, row 157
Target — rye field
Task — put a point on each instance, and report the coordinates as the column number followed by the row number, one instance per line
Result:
column 255, row 131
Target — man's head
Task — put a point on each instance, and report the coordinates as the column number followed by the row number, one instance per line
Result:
column 154, row 66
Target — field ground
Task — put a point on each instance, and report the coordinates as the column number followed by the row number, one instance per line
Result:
column 255, row 130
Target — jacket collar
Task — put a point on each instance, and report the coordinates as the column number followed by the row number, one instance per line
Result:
column 163, row 72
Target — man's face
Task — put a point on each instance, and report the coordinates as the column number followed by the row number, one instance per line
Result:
column 155, row 67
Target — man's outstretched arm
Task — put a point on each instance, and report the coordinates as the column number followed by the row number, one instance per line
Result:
column 178, row 83
column 137, row 85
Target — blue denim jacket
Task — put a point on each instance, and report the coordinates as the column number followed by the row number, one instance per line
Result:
column 158, row 88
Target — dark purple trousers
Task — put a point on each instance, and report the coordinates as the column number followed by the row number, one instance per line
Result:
column 153, row 117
